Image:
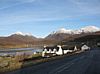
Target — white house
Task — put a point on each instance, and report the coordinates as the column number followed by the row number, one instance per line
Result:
column 60, row 51
column 50, row 51
column 57, row 50
column 67, row 51
column 75, row 48
column 98, row 44
column 85, row 47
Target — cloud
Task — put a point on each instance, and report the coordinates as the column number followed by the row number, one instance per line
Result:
column 48, row 10
column 12, row 3
column 26, row 18
column 88, row 7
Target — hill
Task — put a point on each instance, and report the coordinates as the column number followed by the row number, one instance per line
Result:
column 65, row 37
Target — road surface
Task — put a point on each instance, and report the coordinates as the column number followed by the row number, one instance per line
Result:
column 82, row 63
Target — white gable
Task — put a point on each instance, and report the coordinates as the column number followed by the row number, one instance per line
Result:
column 84, row 47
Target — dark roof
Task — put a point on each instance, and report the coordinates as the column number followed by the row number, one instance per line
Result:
column 63, row 48
column 52, row 48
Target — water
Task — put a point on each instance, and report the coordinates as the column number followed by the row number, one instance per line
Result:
column 19, row 51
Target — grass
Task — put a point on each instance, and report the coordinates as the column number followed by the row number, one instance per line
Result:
column 9, row 64
column 23, row 61
column 17, row 62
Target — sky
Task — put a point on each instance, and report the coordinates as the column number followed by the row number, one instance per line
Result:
column 41, row 17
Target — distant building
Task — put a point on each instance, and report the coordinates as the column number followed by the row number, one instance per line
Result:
column 75, row 48
column 98, row 44
column 85, row 47
column 52, row 51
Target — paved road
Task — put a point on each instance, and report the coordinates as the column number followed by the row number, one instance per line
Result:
column 83, row 63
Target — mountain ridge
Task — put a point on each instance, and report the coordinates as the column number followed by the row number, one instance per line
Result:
column 20, row 39
column 85, row 29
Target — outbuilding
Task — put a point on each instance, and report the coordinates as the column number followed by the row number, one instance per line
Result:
column 85, row 47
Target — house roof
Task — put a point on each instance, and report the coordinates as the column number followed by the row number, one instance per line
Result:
column 52, row 48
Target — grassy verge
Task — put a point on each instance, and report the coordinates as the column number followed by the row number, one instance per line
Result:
column 23, row 61
column 9, row 64
column 18, row 62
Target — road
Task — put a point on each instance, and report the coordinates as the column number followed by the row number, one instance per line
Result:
column 82, row 63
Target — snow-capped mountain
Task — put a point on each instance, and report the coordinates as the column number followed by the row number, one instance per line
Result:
column 90, row 29
column 23, row 34
column 26, row 37
column 86, row 29
column 63, row 33
column 63, row 30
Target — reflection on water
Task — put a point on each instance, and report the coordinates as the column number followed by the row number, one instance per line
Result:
column 19, row 51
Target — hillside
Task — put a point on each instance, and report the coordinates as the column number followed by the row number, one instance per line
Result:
column 20, row 41
column 62, row 36
column 90, row 39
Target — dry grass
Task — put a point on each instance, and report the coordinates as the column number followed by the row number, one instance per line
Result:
column 17, row 62
column 9, row 64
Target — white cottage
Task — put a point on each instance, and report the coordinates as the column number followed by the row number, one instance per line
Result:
column 75, row 48
column 67, row 51
column 51, row 51
column 57, row 50
column 85, row 47
column 60, row 51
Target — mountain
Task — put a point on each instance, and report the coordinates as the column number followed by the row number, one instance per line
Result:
column 90, row 29
column 63, row 30
column 22, row 37
column 58, row 36
column 19, row 39
column 86, row 29
column 90, row 39
column 63, row 33
column 23, row 34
